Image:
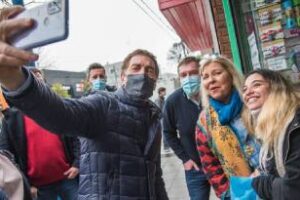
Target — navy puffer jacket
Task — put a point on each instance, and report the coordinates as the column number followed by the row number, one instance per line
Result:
column 120, row 151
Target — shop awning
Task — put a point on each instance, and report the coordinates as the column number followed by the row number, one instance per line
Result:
column 190, row 20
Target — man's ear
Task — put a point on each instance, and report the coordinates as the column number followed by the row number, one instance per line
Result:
column 123, row 78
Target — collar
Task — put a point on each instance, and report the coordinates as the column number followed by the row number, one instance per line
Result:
column 197, row 102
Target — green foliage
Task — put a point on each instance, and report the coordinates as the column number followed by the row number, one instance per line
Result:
column 59, row 90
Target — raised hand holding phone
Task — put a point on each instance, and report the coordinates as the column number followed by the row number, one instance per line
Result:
column 51, row 25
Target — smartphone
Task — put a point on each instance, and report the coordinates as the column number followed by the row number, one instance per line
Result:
column 51, row 25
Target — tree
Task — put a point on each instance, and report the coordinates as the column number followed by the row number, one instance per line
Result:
column 177, row 52
column 59, row 90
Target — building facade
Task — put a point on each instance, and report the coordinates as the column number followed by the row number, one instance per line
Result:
column 253, row 33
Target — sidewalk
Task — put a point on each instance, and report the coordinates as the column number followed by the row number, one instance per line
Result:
column 173, row 175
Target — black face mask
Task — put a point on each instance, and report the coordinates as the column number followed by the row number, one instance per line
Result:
column 140, row 86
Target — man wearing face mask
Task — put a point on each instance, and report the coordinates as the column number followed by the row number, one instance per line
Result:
column 180, row 114
column 120, row 146
column 96, row 76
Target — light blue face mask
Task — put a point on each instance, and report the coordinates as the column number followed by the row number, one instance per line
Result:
column 99, row 84
column 190, row 85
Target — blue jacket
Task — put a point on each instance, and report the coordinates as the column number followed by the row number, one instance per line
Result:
column 120, row 152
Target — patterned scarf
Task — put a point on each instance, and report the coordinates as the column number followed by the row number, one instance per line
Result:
column 222, row 139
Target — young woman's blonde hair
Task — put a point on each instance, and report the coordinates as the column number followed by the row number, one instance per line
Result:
column 276, row 114
column 229, row 67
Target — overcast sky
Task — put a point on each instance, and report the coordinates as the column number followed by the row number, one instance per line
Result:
column 106, row 31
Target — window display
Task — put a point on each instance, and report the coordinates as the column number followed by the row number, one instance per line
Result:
column 276, row 26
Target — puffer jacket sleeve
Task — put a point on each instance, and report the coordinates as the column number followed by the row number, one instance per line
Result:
column 211, row 165
column 73, row 117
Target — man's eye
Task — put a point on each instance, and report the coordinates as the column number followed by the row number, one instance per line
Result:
column 256, row 85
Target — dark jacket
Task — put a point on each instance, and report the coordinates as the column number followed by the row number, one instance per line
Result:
column 160, row 102
column 120, row 151
column 286, row 188
column 13, row 139
column 181, row 114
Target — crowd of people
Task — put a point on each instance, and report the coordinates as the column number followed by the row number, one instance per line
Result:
column 107, row 144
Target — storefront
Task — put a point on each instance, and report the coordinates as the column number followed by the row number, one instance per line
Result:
column 192, row 20
column 268, row 34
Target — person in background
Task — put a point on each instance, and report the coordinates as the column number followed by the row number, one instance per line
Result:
column 274, row 117
column 50, row 162
column 96, row 76
column 160, row 102
column 225, row 147
column 180, row 114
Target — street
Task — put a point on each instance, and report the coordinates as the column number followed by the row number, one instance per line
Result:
column 174, row 179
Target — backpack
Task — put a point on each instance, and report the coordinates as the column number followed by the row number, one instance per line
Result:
column 11, row 179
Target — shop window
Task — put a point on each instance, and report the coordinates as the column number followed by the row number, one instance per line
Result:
column 272, row 29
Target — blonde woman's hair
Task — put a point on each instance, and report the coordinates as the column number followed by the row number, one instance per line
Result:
column 229, row 67
column 276, row 114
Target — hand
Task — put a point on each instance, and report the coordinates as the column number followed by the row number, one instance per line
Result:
column 33, row 191
column 255, row 174
column 190, row 164
column 72, row 172
column 11, row 58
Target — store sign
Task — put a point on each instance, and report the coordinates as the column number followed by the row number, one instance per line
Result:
column 254, row 51
column 277, row 63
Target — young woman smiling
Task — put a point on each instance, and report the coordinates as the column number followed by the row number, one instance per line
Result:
column 274, row 117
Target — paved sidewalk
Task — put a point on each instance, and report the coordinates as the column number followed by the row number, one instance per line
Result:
column 174, row 179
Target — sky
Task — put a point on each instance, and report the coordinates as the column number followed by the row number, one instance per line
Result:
column 105, row 31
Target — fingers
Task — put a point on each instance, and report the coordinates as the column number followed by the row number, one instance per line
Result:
column 9, row 12
column 11, row 27
column 71, row 173
column 66, row 173
column 8, row 61
column 196, row 166
column 10, row 56
column 33, row 191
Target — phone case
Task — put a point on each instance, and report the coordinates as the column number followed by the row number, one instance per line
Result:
column 51, row 25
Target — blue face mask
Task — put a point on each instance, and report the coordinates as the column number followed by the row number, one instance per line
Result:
column 190, row 85
column 99, row 84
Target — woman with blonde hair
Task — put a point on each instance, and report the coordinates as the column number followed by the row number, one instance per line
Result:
column 224, row 145
column 274, row 116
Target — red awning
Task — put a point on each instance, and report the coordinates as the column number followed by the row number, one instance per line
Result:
column 190, row 20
